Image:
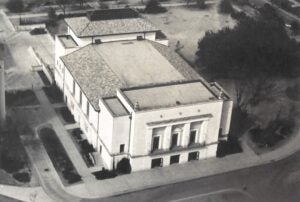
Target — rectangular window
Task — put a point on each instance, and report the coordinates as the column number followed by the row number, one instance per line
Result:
column 87, row 109
column 155, row 145
column 193, row 156
column 174, row 140
column 174, row 159
column 122, row 147
column 193, row 134
column 80, row 98
column 73, row 87
column 156, row 162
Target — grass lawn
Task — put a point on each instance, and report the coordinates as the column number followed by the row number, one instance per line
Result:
column 21, row 98
column 188, row 25
column 59, row 157
column 14, row 162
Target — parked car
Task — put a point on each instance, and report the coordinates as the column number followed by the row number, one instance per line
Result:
column 37, row 31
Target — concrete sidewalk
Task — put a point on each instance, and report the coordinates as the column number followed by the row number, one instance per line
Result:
column 136, row 181
column 192, row 170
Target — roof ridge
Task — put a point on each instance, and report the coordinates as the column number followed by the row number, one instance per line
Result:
column 80, row 33
column 107, row 65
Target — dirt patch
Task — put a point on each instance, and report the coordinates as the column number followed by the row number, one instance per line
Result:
column 188, row 25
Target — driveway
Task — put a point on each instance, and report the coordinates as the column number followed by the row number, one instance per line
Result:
column 19, row 60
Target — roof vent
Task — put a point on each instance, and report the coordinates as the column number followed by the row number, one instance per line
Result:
column 98, row 41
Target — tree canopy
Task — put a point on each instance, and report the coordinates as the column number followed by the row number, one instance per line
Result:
column 252, row 47
column 16, row 6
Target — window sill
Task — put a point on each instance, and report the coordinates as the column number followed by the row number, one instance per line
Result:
column 195, row 145
column 177, row 149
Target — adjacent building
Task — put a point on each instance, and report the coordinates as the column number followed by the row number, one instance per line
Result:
column 133, row 96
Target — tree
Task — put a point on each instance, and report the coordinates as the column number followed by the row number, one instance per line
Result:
column 63, row 5
column 153, row 6
column 15, row 6
column 225, row 7
column 123, row 166
column 80, row 2
column 253, row 47
column 52, row 17
column 295, row 27
column 188, row 2
column 201, row 4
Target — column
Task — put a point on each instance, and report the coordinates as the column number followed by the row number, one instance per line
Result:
column 185, row 135
column 203, row 132
column 166, row 138
column 149, row 139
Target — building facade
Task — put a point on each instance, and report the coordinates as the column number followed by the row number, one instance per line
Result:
column 134, row 97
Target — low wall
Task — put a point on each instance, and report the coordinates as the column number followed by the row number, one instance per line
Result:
column 29, row 27
column 45, row 67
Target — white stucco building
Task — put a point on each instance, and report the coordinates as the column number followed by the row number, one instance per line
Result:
column 133, row 96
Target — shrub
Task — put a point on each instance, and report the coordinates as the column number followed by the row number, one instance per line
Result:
column 238, row 15
column 201, row 4
column 256, row 134
column 295, row 27
column 10, row 163
column 293, row 92
column 22, row 177
column 86, row 147
column 153, row 6
column 20, row 98
column 225, row 7
column 15, row 6
column 104, row 174
column 71, row 177
column 103, row 5
column 231, row 146
column 123, row 166
column 77, row 134
column 54, row 94
column 67, row 115
column 275, row 132
column 52, row 17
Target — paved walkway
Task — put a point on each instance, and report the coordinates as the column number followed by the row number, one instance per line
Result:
column 136, row 181
column 68, row 144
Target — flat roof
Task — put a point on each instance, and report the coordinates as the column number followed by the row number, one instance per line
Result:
column 100, row 69
column 169, row 95
column 109, row 22
column 116, row 106
column 67, row 41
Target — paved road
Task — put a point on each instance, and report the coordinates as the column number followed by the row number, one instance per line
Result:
column 275, row 182
column 289, row 17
